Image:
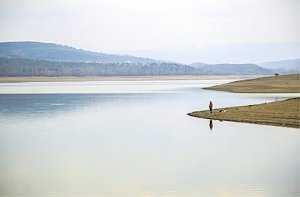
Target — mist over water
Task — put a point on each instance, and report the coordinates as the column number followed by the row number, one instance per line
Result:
column 135, row 139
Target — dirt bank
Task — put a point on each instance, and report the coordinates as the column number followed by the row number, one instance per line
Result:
column 280, row 113
column 274, row 84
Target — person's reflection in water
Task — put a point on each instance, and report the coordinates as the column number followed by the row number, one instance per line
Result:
column 211, row 126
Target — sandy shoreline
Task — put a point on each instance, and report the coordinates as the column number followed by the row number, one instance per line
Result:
column 279, row 113
column 117, row 78
column 274, row 84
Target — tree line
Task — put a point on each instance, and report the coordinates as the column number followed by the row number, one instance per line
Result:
column 31, row 67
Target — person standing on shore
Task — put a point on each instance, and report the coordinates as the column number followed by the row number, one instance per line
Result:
column 210, row 106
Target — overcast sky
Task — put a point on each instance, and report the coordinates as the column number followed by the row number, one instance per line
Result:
column 132, row 26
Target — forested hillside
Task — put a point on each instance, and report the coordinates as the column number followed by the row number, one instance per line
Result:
column 47, row 59
column 62, row 53
column 28, row 67
column 231, row 69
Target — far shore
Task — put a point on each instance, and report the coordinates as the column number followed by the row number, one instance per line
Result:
column 117, row 78
column 274, row 84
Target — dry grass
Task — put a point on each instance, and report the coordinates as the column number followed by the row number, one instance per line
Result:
column 280, row 113
column 274, row 84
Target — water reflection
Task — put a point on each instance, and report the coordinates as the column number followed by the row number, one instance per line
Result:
column 140, row 145
column 38, row 105
column 211, row 124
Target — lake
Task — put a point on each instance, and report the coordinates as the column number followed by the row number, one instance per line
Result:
column 133, row 138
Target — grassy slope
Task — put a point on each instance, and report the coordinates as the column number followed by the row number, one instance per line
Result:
column 280, row 113
column 275, row 84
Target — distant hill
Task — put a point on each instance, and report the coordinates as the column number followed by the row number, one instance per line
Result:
column 231, row 69
column 47, row 59
column 31, row 67
column 283, row 67
column 61, row 53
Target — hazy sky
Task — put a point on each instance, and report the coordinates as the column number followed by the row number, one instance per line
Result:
column 125, row 26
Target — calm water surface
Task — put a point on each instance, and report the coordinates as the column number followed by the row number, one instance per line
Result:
column 135, row 139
